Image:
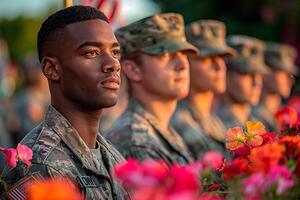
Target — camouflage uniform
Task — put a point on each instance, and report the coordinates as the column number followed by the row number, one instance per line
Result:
column 203, row 133
column 58, row 151
column 277, row 57
column 249, row 59
column 137, row 133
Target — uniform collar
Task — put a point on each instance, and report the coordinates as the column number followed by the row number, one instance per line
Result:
column 170, row 136
column 71, row 138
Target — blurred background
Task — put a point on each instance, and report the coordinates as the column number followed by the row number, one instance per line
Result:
column 23, row 89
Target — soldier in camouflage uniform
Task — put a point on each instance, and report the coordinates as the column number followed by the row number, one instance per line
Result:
column 193, row 119
column 156, row 65
column 280, row 58
column 244, row 80
column 79, row 55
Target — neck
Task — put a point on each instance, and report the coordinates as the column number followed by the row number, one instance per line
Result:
column 86, row 122
column 162, row 109
column 202, row 101
column 271, row 101
column 240, row 110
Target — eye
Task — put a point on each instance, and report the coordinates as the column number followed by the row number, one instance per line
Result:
column 116, row 53
column 92, row 53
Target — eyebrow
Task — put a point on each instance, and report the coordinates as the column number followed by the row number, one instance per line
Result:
column 96, row 44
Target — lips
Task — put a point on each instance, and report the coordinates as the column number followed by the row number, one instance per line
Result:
column 111, row 83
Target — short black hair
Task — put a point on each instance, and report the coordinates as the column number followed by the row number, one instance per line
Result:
column 61, row 19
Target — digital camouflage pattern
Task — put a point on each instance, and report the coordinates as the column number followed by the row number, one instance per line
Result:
column 250, row 55
column 154, row 35
column 262, row 114
column 200, row 133
column 209, row 37
column 279, row 56
column 58, row 151
column 138, row 134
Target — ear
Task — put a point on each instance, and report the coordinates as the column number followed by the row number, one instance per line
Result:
column 51, row 68
column 132, row 71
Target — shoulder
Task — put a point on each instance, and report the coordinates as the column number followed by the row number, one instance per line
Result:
column 130, row 128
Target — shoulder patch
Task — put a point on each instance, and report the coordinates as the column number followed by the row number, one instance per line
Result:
column 17, row 192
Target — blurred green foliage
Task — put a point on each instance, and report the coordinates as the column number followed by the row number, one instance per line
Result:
column 20, row 34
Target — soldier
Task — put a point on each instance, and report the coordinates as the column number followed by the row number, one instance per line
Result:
column 155, row 63
column 79, row 55
column 201, row 129
column 280, row 58
column 244, row 80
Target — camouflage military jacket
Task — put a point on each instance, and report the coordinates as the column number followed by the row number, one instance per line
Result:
column 138, row 134
column 58, row 151
column 200, row 133
column 262, row 114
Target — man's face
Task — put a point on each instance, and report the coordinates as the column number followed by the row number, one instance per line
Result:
column 166, row 75
column 208, row 74
column 90, row 64
column 279, row 82
column 244, row 88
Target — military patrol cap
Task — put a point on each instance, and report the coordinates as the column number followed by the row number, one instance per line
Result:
column 281, row 57
column 209, row 37
column 154, row 35
column 250, row 55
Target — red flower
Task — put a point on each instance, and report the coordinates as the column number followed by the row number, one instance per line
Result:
column 264, row 157
column 236, row 167
column 286, row 116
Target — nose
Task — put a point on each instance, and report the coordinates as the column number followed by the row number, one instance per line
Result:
column 110, row 64
column 257, row 80
column 219, row 64
column 181, row 61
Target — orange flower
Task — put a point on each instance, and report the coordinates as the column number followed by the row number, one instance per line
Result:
column 235, row 138
column 254, row 133
column 53, row 189
column 262, row 158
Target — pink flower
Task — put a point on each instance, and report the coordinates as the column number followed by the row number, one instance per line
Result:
column 135, row 174
column 10, row 156
column 254, row 186
column 214, row 160
column 24, row 154
column 280, row 175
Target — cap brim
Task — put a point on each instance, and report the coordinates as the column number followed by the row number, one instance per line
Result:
column 214, row 50
column 249, row 68
column 170, row 46
column 291, row 69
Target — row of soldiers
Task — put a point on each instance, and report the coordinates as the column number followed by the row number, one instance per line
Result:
column 173, row 73
column 235, row 70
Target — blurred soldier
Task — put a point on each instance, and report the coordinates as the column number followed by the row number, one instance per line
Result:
column 79, row 55
column 30, row 103
column 157, row 69
column 194, row 120
column 244, row 80
column 280, row 58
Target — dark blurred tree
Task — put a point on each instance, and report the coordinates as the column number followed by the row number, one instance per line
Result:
column 20, row 34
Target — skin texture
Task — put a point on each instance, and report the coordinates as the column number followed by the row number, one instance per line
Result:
column 83, row 71
column 208, row 74
column 158, row 81
column 279, row 82
column 244, row 88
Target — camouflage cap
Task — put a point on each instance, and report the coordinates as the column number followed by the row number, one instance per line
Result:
column 209, row 37
column 154, row 35
column 250, row 55
column 281, row 56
